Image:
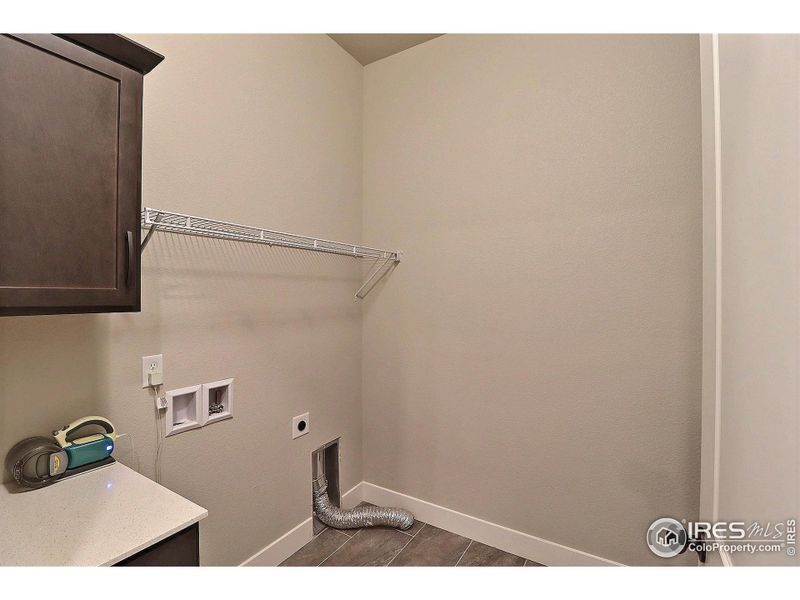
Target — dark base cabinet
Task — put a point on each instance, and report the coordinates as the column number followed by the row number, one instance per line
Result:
column 181, row 549
column 70, row 172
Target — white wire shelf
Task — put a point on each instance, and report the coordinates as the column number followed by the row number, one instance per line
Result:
column 161, row 220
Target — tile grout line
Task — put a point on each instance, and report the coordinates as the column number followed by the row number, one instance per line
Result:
column 344, row 531
column 418, row 530
column 411, row 539
column 463, row 553
column 349, row 537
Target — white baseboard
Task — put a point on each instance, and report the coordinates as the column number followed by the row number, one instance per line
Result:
column 297, row 537
column 522, row 544
column 282, row 548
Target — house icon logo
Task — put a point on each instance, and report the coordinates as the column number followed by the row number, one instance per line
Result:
column 666, row 537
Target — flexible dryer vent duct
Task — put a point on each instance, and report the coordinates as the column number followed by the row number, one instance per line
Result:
column 362, row 516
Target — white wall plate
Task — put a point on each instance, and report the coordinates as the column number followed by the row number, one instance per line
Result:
column 217, row 394
column 152, row 370
column 183, row 410
column 301, row 425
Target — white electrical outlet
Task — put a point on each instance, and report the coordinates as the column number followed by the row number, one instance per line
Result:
column 152, row 370
column 301, row 425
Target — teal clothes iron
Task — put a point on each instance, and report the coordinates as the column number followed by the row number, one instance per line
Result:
column 89, row 449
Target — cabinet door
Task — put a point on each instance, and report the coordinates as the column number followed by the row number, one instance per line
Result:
column 181, row 549
column 70, row 165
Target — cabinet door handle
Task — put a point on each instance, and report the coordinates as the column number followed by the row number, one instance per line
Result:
column 129, row 261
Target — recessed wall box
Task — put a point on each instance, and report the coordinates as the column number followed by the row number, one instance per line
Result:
column 325, row 463
column 217, row 401
column 183, row 409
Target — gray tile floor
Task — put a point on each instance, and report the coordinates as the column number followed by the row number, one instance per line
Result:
column 422, row 545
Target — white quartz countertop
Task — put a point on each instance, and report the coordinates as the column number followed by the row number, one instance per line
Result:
column 96, row 518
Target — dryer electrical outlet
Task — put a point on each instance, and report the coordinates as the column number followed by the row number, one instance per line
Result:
column 301, row 425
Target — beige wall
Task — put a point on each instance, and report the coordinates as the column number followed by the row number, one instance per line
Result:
column 760, row 326
column 535, row 359
column 256, row 129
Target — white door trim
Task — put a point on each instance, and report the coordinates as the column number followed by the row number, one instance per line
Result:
column 712, row 277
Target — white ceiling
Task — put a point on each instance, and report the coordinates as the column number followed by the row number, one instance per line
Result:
column 369, row 47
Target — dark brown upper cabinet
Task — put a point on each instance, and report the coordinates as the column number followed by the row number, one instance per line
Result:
column 70, row 172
